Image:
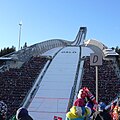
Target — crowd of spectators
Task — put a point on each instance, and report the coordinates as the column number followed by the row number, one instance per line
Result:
column 108, row 82
column 15, row 83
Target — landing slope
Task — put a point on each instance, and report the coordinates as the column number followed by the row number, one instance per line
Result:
column 54, row 90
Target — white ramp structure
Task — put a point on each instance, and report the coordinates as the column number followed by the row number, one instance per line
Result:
column 58, row 83
column 56, row 87
column 54, row 91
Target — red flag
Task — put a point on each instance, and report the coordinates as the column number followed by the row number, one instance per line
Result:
column 57, row 118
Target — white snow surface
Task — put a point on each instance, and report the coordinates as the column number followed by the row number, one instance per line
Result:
column 54, row 90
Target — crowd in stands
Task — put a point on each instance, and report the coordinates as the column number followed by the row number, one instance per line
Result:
column 15, row 83
column 108, row 82
column 85, row 107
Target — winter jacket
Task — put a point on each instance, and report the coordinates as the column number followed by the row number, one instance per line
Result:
column 101, row 115
column 73, row 114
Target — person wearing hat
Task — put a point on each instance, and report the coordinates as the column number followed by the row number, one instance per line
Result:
column 102, row 113
column 78, row 113
column 80, row 110
column 22, row 114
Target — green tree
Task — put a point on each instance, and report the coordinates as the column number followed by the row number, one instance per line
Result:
column 7, row 50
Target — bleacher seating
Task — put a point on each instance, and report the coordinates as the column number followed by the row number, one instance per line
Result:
column 108, row 82
column 16, row 83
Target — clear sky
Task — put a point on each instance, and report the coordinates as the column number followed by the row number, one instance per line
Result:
column 48, row 19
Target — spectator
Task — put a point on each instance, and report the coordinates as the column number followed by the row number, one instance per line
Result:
column 22, row 114
column 113, row 104
column 102, row 113
column 116, row 110
column 82, row 108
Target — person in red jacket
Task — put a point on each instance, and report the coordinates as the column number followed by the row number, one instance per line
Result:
column 83, row 106
column 86, row 97
column 115, row 110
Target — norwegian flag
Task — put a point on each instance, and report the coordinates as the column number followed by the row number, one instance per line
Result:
column 57, row 118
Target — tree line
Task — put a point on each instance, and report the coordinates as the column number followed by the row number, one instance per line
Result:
column 7, row 50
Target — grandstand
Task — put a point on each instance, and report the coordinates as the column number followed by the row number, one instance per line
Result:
column 45, row 77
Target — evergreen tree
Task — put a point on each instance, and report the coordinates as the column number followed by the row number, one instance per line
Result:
column 7, row 50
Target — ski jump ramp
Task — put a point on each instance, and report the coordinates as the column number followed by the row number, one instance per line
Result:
column 53, row 93
column 58, row 83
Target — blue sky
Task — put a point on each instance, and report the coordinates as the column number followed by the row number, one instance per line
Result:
column 48, row 19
